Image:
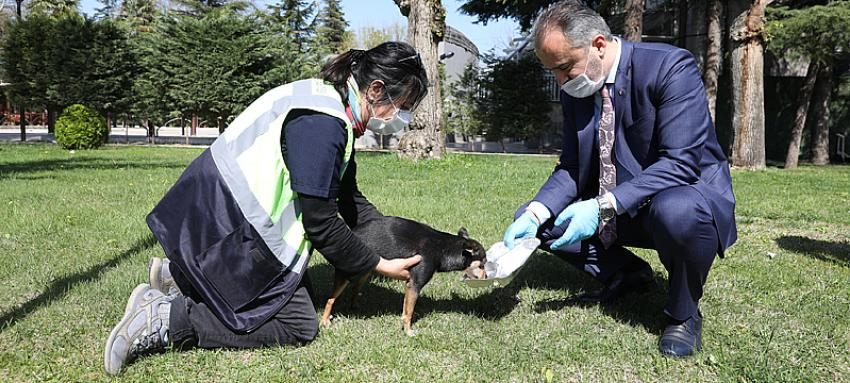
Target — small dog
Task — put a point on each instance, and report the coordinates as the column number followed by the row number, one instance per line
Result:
column 395, row 237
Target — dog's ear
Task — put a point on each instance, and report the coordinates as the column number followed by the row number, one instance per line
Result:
column 463, row 233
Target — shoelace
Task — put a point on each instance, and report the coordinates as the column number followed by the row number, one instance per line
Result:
column 149, row 344
column 157, row 340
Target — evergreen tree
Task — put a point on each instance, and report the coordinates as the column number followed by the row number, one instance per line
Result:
column 462, row 115
column 54, row 63
column 516, row 104
column 138, row 15
column 824, row 30
column 110, row 9
column 297, row 16
column 199, row 8
column 54, row 8
column 332, row 30
column 108, row 81
column 212, row 66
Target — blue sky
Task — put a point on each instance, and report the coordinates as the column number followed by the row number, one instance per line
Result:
column 382, row 13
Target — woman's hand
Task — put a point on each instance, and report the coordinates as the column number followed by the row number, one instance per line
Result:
column 398, row 268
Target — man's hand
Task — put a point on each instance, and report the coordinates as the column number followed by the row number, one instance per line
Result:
column 398, row 268
column 584, row 219
column 524, row 226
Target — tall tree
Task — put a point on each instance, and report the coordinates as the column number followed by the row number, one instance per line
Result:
column 21, row 107
column 820, row 106
column 332, row 30
column 225, row 61
column 298, row 18
column 516, row 104
column 520, row 10
column 138, row 15
column 823, row 28
column 460, row 105
column 19, row 4
column 426, row 26
column 110, row 9
column 110, row 69
column 54, row 8
column 199, row 8
column 747, row 35
column 54, row 63
column 369, row 36
column 713, row 53
column 634, row 20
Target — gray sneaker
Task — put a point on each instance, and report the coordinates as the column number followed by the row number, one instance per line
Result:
column 143, row 330
column 159, row 276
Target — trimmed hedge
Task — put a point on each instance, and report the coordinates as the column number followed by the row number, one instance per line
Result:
column 80, row 127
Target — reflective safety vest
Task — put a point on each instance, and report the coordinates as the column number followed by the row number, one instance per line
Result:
column 231, row 224
column 249, row 159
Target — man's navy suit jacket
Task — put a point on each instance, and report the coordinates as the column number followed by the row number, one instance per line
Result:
column 664, row 137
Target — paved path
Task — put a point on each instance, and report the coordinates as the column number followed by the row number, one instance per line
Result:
column 205, row 136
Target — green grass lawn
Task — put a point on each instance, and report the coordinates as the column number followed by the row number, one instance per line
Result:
column 73, row 244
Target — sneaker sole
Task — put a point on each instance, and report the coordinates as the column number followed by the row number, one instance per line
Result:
column 135, row 297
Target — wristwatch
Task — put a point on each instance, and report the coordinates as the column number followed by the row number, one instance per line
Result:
column 606, row 210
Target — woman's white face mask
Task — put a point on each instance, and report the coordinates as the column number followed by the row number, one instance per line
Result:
column 400, row 119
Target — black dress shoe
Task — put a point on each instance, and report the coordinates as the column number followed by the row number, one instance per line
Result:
column 682, row 339
column 621, row 283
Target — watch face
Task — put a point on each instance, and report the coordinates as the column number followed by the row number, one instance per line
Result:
column 606, row 211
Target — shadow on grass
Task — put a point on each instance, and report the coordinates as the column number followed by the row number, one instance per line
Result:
column 376, row 300
column 543, row 271
column 835, row 252
column 59, row 288
column 7, row 170
column 642, row 309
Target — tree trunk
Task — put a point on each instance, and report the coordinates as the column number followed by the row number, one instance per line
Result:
column 713, row 54
column 748, row 83
column 803, row 101
column 20, row 5
column 426, row 25
column 108, row 127
column 23, row 123
column 821, row 97
column 51, row 120
column 633, row 28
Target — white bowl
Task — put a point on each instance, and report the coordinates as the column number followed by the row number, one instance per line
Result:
column 503, row 264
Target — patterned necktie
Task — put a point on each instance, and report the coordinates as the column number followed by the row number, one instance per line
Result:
column 607, row 170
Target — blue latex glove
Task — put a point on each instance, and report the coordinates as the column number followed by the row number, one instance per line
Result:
column 584, row 219
column 524, row 226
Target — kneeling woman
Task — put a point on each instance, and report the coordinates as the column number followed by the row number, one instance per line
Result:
column 239, row 225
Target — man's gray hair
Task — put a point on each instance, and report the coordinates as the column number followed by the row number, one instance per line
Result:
column 577, row 22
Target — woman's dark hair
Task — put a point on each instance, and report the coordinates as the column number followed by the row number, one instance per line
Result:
column 397, row 64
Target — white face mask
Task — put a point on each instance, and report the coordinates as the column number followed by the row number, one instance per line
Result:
column 582, row 86
column 394, row 125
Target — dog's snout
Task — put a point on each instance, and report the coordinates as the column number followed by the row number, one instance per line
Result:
column 476, row 270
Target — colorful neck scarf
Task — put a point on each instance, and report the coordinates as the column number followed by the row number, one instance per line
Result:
column 353, row 109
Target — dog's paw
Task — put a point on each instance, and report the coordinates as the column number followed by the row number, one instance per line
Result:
column 410, row 332
column 326, row 323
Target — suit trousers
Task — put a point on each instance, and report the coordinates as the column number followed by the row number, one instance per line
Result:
column 676, row 222
column 192, row 324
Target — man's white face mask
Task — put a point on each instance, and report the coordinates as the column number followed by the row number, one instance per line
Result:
column 582, row 86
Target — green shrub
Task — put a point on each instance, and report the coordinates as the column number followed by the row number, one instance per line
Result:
column 80, row 127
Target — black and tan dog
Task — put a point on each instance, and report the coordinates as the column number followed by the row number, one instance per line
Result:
column 394, row 237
